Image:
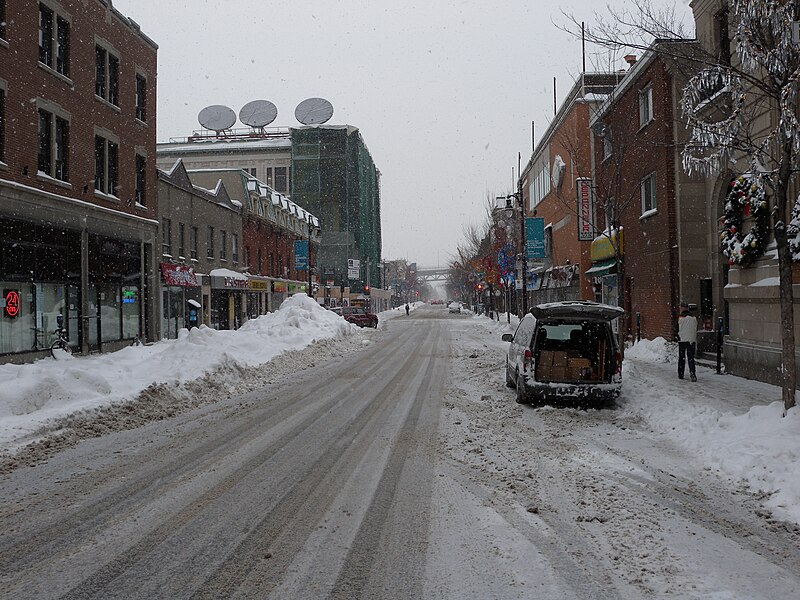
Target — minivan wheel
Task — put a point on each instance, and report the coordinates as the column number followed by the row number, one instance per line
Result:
column 522, row 393
column 509, row 382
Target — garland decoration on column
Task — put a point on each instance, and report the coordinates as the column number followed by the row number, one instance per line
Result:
column 746, row 199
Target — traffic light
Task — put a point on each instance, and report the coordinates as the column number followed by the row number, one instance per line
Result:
column 366, row 289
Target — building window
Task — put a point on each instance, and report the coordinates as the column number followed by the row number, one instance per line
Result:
column 223, row 245
column 141, row 180
column 645, row 106
column 106, row 75
column 166, row 237
column 210, row 243
column 269, row 177
column 106, row 165
column 141, row 97
column 2, row 121
column 280, row 180
column 608, row 146
column 235, row 247
column 53, row 40
column 53, row 158
column 649, row 194
column 608, row 209
column 181, row 240
column 3, row 19
column 193, row 235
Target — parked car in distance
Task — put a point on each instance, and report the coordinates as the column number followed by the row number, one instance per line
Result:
column 565, row 350
column 357, row 316
column 454, row 307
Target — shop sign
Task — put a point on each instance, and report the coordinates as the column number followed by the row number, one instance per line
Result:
column 585, row 209
column 178, row 275
column 279, row 287
column 235, row 282
column 129, row 295
column 258, row 285
column 534, row 238
column 11, row 303
column 603, row 246
column 297, row 287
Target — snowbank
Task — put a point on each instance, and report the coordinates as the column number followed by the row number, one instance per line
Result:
column 33, row 394
column 657, row 350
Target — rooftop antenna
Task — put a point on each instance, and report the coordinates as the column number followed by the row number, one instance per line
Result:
column 217, row 118
column 555, row 111
column 314, row 111
column 258, row 114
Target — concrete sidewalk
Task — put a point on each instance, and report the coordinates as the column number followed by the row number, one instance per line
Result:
column 726, row 393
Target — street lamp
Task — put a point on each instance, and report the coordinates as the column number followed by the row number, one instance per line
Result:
column 518, row 197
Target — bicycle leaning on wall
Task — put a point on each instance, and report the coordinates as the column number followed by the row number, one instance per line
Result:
column 60, row 347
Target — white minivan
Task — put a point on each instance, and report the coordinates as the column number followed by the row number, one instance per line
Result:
column 565, row 350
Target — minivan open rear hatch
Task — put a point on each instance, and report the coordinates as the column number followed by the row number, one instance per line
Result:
column 577, row 310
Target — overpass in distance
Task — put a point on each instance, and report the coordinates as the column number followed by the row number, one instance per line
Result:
column 433, row 273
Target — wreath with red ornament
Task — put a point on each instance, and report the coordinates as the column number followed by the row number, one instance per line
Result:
column 747, row 198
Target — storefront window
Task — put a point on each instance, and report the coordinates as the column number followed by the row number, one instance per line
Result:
column 130, row 311
column 110, row 313
column 17, row 317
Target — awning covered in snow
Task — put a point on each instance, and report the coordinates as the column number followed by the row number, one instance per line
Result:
column 602, row 268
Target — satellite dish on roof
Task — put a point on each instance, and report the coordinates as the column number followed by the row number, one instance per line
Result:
column 217, row 117
column 258, row 113
column 314, row 111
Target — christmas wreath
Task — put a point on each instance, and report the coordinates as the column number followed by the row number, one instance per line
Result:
column 746, row 199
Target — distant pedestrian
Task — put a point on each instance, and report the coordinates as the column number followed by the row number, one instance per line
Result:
column 687, row 341
column 408, row 309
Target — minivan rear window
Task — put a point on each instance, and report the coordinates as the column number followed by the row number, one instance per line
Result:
column 562, row 331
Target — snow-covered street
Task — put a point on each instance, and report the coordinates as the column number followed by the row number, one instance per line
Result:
column 391, row 463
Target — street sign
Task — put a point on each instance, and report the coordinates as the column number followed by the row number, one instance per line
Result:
column 796, row 32
column 353, row 273
column 353, row 263
column 534, row 237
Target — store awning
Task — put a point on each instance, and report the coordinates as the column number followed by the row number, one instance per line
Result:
column 602, row 268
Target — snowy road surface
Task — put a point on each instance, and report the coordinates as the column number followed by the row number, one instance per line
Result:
column 398, row 469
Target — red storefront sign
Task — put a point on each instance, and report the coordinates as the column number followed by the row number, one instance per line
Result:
column 178, row 275
column 12, row 303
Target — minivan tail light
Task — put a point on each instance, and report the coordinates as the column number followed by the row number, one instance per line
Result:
column 527, row 357
column 618, row 369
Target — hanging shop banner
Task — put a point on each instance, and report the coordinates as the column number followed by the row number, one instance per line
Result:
column 279, row 287
column 534, row 237
column 301, row 255
column 178, row 275
column 585, row 209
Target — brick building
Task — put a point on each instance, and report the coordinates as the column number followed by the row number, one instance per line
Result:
column 271, row 224
column 78, row 198
column 550, row 180
column 641, row 186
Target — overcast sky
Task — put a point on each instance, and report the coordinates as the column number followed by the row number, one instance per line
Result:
column 443, row 91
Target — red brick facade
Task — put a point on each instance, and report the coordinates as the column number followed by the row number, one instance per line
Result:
column 274, row 246
column 638, row 151
column 27, row 80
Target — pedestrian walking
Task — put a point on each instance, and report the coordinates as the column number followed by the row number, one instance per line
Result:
column 687, row 341
column 408, row 310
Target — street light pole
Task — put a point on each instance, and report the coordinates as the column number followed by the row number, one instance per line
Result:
column 523, row 242
column 523, row 250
